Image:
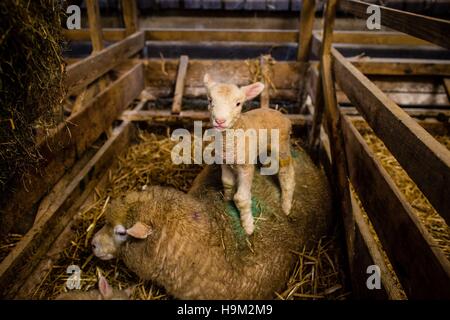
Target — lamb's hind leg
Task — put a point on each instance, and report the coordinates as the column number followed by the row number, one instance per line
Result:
column 243, row 196
column 228, row 182
column 286, row 176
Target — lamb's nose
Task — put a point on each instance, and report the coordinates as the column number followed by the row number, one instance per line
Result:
column 220, row 121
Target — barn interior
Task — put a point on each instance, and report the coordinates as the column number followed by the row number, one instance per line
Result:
column 370, row 106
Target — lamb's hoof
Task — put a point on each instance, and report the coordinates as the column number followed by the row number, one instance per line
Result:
column 286, row 207
column 249, row 227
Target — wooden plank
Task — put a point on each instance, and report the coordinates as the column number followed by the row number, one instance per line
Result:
column 95, row 26
column 430, row 29
column 25, row 255
column 81, row 73
column 367, row 253
column 402, row 235
column 305, row 33
column 351, row 37
column 69, row 141
column 425, row 159
column 179, row 86
column 417, row 67
column 203, row 35
column 109, row 34
column 191, row 115
column 375, row 38
column 393, row 66
column 265, row 70
column 130, row 16
column 412, row 112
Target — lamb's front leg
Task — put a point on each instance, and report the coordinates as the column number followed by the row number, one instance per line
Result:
column 228, row 182
column 243, row 196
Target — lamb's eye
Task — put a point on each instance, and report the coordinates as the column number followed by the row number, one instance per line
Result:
column 238, row 104
column 121, row 233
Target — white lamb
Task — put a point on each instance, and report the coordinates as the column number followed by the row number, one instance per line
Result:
column 225, row 105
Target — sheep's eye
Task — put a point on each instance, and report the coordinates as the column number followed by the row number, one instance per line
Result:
column 121, row 233
column 238, row 104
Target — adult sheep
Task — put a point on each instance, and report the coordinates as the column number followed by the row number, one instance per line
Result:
column 194, row 246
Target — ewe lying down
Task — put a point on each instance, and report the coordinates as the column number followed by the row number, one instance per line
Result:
column 194, row 246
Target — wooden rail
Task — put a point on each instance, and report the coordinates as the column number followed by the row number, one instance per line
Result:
column 425, row 159
column 398, row 227
column 430, row 29
column 190, row 115
column 83, row 72
column 179, row 86
column 255, row 35
column 81, row 181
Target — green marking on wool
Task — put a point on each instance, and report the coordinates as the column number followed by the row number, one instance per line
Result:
column 233, row 212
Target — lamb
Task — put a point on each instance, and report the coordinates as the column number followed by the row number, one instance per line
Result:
column 225, row 105
column 194, row 246
column 104, row 292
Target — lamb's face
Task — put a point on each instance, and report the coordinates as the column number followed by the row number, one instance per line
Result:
column 226, row 101
column 108, row 240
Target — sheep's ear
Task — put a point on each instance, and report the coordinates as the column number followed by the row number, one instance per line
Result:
column 252, row 90
column 105, row 289
column 208, row 81
column 139, row 230
column 129, row 291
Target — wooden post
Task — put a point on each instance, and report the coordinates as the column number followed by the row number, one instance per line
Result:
column 332, row 123
column 304, row 46
column 264, row 99
column 179, row 86
column 95, row 26
column 130, row 16
column 96, row 34
column 305, row 30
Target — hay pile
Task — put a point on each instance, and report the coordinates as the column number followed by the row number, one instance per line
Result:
column 316, row 275
column 31, row 74
column 433, row 222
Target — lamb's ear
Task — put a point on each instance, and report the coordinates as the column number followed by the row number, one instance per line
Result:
column 105, row 289
column 208, row 81
column 252, row 90
column 139, row 230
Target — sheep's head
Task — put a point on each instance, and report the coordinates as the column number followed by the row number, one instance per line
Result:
column 119, row 229
column 226, row 101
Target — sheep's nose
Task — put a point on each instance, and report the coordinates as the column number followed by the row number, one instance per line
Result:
column 220, row 121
